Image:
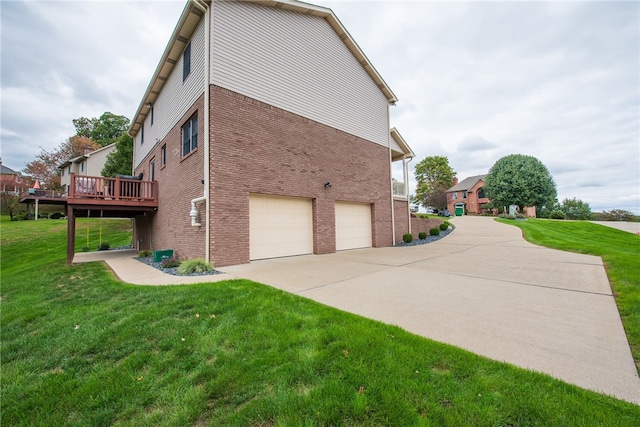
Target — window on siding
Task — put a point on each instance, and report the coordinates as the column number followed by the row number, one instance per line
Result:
column 142, row 134
column 62, row 172
column 186, row 62
column 82, row 167
column 190, row 135
column 163, row 155
column 69, row 170
column 151, row 115
column 152, row 169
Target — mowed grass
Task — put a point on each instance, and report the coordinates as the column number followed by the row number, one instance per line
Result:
column 620, row 252
column 79, row 347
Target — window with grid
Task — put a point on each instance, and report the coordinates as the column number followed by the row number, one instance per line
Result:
column 190, row 135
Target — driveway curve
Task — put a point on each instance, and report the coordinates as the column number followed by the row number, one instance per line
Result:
column 482, row 288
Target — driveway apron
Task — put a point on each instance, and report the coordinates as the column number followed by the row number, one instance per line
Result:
column 482, row 288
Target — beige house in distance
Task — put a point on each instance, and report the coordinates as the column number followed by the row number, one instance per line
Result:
column 88, row 164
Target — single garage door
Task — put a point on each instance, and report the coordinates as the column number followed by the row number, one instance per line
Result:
column 279, row 226
column 353, row 225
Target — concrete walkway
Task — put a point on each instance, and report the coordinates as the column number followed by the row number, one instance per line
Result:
column 631, row 227
column 482, row 288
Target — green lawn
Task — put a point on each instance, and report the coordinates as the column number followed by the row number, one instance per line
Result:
column 619, row 250
column 78, row 347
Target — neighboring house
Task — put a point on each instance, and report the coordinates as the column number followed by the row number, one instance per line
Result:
column 467, row 196
column 267, row 130
column 90, row 164
column 13, row 182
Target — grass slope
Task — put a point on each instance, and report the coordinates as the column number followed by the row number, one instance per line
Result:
column 79, row 347
column 619, row 250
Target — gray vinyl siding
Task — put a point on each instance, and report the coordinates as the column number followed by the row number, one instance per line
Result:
column 395, row 146
column 175, row 98
column 298, row 63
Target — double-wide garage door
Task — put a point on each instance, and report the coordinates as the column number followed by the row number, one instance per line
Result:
column 279, row 226
column 283, row 226
column 353, row 225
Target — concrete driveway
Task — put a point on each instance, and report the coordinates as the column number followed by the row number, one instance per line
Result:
column 482, row 288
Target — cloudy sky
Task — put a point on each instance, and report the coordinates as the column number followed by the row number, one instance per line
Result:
column 476, row 80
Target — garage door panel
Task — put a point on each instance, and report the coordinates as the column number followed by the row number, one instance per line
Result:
column 280, row 226
column 353, row 225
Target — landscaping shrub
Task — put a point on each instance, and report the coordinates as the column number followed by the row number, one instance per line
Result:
column 444, row 226
column 192, row 266
column 422, row 235
column 448, row 224
column 86, row 249
column 104, row 246
column 557, row 215
column 144, row 254
column 408, row 238
column 435, row 231
column 170, row 262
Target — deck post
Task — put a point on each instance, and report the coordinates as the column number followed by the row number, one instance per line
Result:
column 71, row 234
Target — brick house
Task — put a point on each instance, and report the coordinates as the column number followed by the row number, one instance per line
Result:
column 13, row 182
column 267, row 131
column 467, row 196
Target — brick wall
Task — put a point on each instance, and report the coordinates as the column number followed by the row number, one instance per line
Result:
column 179, row 181
column 258, row 148
column 423, row 224
column 401, row 213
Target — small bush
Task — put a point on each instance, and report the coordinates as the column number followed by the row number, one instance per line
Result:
column 104, row 246
column 144, row 254
column 422, row 235
column 86, row 249
column 448, row 224
column 170, row 262
column 192, row 266
column 444, row 226
column 557, row 215
column 506, row 216
column 435, row 231
column 408, row 238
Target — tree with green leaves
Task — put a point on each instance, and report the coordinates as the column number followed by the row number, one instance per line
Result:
column 433, row 176
column 576, row 209
column 520, row 180
column 104, row 130
column 120, row 161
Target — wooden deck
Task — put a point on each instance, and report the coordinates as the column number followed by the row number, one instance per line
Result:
column 97, row 192
column 92, row 196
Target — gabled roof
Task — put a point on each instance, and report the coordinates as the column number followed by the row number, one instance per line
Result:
column 467, row 183
column 187, row 24
column 7, row 171
column 406, row 152
column 86, row 156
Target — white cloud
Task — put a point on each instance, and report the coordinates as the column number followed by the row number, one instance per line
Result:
column 476, row 80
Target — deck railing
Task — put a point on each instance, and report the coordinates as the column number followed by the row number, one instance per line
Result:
column 399, row 189
column 116, row 189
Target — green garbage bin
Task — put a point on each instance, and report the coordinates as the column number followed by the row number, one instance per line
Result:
column 459, row 210
column 158, row 255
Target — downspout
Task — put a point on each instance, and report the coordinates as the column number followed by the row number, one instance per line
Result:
column 202, row 5
column 393, row 209
column 405, row 164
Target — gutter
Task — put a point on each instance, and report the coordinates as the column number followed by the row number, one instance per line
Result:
column 202, row 5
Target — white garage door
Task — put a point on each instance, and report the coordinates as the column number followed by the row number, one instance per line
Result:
column 353, row 225
column 279, row 226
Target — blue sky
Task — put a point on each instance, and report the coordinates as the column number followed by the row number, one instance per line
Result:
column 476, row 80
